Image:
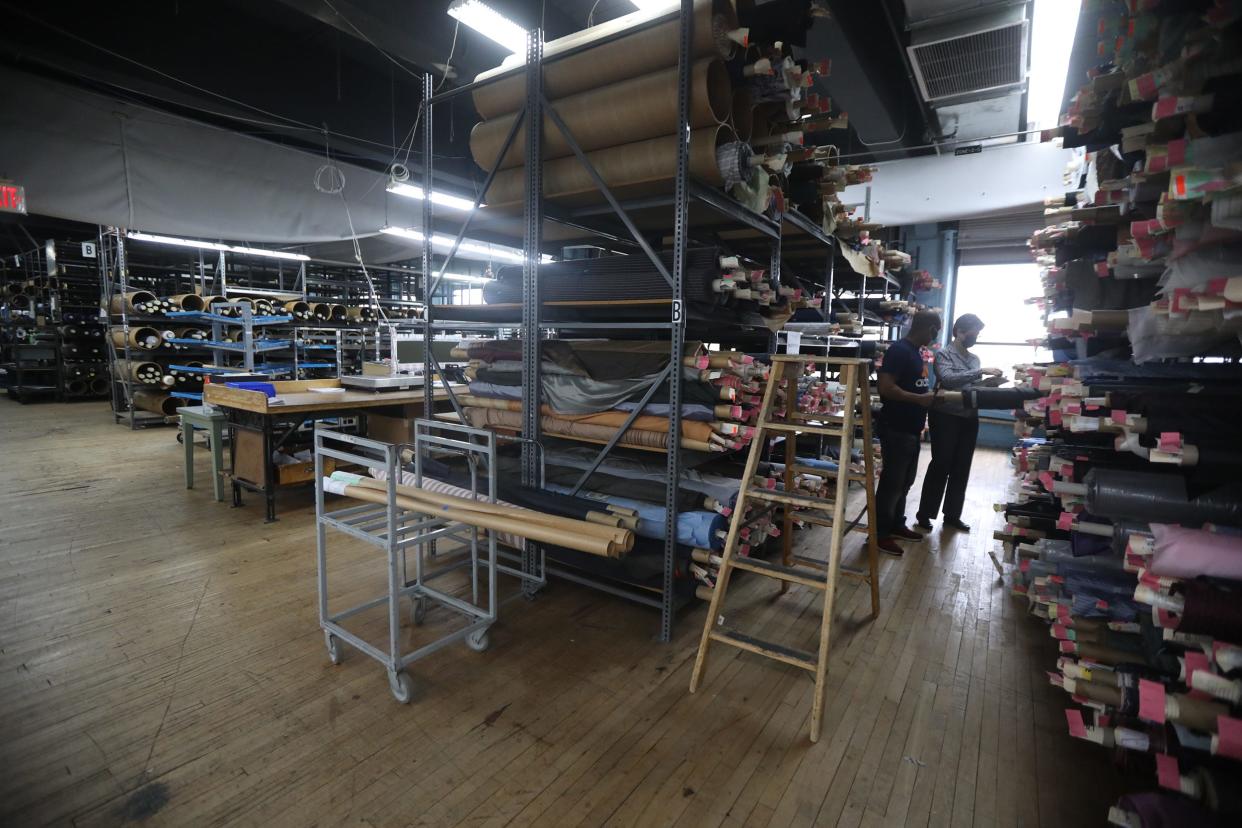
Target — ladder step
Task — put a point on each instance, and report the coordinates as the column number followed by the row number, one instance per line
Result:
column 848, row 571
column 824, row 521
column 806, row 501
column 795, row 575
column 857, row 477
column 798, row 429
column 789, row 655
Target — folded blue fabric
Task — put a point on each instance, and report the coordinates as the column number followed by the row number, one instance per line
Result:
column 265, row 387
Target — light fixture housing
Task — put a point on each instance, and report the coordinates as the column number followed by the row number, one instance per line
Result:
column 206, row 245
column 490, row 23
column 653, row 5
column 443, row 199
column 469, row 248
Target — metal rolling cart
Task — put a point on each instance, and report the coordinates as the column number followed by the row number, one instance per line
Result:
column 396, row 530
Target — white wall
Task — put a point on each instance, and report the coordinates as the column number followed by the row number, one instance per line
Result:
column 947, row 187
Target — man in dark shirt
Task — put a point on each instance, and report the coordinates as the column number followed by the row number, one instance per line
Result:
column 906, row 391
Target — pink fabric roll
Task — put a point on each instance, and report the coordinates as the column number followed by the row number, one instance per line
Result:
column 1189, row 553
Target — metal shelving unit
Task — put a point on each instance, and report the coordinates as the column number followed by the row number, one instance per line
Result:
column 685, row 193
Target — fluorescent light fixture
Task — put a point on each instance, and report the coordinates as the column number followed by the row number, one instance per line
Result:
column 206, row 245
column 490, row 23
column 437, row 197
column 462, row 277
column 469, row 248
column 653, row 5
column 1052, row 39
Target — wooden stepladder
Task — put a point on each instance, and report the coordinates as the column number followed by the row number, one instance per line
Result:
column 829, row 512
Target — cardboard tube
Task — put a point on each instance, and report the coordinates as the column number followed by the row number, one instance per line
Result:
column 627, row 169
column 210, row 300
column 619, row 537
column 337, row 313
column 493, row 522
column 139, row 337
column 361, row 313
column 19, row 301
column 645, row 50
column 298, row 309
column 99, row 385
column 137, row 301
column 145, row 373
column 156, row 402
column 191, row 333
column 75, row 387
column 187, row 301
column 621, row 113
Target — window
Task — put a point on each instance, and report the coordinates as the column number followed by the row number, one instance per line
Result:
column 997, row 294
column 467, row 296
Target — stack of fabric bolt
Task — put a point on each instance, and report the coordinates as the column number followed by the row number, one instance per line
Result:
column 591, row 386
column 754, row 112
column 715, row 284
column 1126, row 517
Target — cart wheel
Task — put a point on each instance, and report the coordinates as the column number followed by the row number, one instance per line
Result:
column 402, row 686
column 180, row 438
column 478, row 641
column 334, row 647
column 418, row 611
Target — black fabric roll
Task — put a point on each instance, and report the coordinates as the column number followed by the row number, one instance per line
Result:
column 1211, row 610
column 611, row 278
column 1160, row 498
column 998, row 398
column 691, row 392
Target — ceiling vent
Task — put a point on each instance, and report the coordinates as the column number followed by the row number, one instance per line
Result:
column 976, row 57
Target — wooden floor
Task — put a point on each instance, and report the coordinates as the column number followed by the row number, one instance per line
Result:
column 160, row 662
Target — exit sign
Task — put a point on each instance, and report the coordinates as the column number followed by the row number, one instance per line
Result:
column 12, row 198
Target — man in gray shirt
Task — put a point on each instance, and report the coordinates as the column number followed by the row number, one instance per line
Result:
column 954, row 429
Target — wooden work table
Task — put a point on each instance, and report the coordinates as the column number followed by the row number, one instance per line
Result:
column 259, row 428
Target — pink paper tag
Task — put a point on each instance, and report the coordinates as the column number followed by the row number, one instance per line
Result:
column 1068, row 647
column 1165, row 619
column 1054, row 416
column 1151, row 701
column 1073, row 408
column 1077, row 728
column 1046, row 479
column 1229, row 737
column 1062, row 611
column 1170, row 440
column 1025, row 565
column 1118, row 416
column 1196, row 661
column 1064, row 521
column 1167, row 773
column 1101, row 269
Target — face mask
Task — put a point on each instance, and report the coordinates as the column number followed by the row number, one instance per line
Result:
column 970, row 340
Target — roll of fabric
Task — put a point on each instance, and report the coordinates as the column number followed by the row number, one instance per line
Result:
column 609, row 278
column 636, row 438
column 1161, row 498
column 630, row 170
column 699, row 529
column 716, row 486
column 600, row 117
column 645, row 50
column 1190, row 553
column 1211, row 610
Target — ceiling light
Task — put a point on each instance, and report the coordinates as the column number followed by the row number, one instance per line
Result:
column 653, row 5
column 490, row 23
column 227, row 248
column 437, row 197
column 1052, row 39
column 468, row 248
column 462, row 277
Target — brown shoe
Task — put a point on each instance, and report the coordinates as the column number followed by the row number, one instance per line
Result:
column 891, row 546
column 905, row 534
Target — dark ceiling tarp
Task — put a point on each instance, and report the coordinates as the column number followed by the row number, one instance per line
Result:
column 88, row 157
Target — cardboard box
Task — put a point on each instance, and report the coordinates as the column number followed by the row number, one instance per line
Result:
column 390, row 429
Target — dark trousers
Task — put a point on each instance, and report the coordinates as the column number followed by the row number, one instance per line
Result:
column 953, row 447
column 901, row 465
